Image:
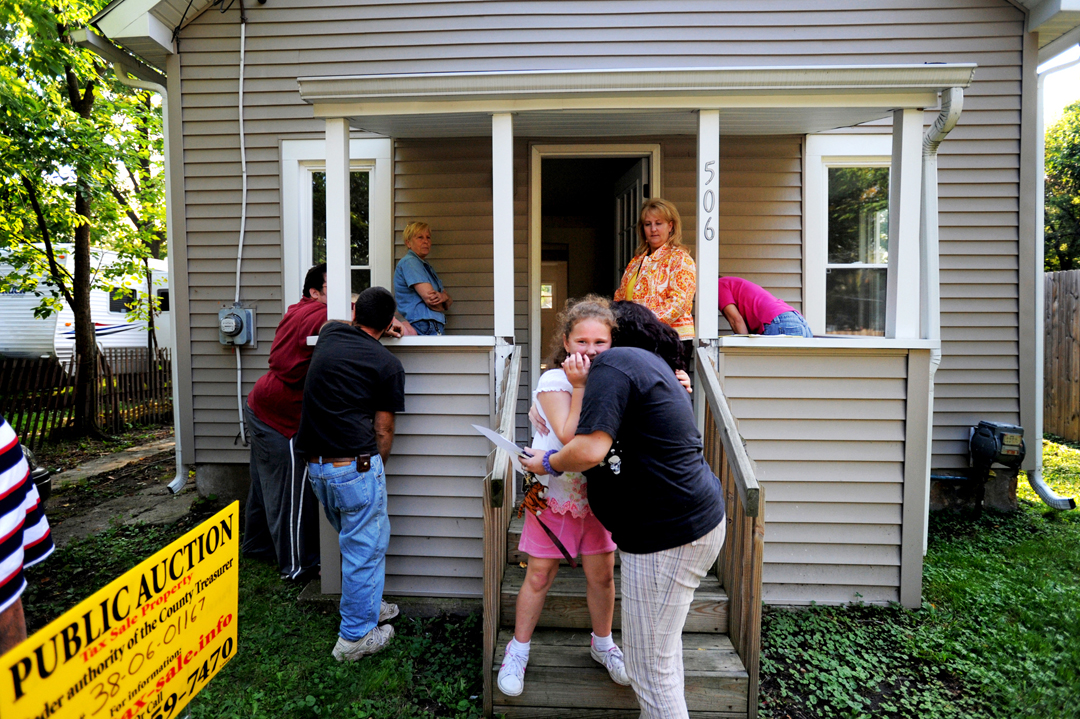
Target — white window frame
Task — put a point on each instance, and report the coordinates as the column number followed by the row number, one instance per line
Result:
column 299, row 158
column 820, row 153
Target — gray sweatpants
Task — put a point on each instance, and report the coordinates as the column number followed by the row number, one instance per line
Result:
column 657, row 589
column 282, row 513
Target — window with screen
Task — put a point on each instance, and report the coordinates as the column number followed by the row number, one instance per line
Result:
column 858, row 250
column 360, row 256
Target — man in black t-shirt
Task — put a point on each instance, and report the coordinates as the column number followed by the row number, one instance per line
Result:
column 664, row 508
column 354, row 386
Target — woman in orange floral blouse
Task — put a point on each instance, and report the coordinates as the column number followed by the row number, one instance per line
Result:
column 662, row 275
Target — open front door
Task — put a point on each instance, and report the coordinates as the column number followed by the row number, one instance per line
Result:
column 630, row 192
column 553, row 282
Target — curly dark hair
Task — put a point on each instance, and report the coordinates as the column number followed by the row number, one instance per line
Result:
column 638, row 327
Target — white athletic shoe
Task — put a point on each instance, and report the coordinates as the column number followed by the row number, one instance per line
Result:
column 612, row 659
column 374, row 641
column 387, row 611
column 512, row 673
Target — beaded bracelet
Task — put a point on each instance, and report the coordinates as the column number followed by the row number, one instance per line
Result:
column 547, row 463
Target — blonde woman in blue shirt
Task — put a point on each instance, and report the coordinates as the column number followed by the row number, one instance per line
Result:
column 419, row 292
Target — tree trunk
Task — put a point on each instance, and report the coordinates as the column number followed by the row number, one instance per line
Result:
column 86, row 387
column 151, row 333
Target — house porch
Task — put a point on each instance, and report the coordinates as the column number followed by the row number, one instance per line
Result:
column 838, row 427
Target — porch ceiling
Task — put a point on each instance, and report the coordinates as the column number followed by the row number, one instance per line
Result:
column 619, row 123
column 751, row 101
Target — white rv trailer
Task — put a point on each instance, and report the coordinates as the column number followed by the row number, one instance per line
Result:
column 24, row 335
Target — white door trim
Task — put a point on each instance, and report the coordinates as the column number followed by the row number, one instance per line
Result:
column 538, row 153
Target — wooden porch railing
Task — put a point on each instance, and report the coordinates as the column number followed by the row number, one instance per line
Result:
column 739, row 563
column 498, row 504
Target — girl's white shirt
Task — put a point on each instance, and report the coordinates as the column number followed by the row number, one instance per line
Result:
column 566, row 493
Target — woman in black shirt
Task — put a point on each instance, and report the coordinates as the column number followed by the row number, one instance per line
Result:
column 663, row 505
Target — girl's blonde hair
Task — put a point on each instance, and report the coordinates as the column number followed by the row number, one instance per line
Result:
column 667, row 212
column 413, row 229
column 589, row 307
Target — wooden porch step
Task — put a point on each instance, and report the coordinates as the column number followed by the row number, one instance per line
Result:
column 516, row 556
column 562, row 680
column 565, row 606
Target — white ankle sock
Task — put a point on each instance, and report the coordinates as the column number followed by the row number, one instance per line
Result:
column 519, row 648
column 603, row 643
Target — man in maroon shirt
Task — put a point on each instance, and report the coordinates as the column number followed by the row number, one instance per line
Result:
column 282, row 513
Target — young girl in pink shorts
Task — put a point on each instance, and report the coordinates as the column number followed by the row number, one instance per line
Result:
column 583, row 331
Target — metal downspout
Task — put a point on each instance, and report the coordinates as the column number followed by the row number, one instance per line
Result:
column 952, row 104
column 1034, row 476
column 180, row 479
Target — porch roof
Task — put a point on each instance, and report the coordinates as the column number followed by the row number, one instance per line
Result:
column 145, row 27
column 621, row 102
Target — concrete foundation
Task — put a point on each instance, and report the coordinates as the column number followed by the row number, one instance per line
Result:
column 425, row 607
column 226, row 481
column 961, row 495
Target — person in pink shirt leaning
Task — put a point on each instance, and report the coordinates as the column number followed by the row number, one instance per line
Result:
column 749, row 308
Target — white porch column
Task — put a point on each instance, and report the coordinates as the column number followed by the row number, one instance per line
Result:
column 338, row 232
column 905, row 187
column 708, row 219
column 502, row 200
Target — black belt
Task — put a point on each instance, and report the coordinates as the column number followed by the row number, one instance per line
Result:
column 363, row 461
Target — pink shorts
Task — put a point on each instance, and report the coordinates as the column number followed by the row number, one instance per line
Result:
column 581, row 536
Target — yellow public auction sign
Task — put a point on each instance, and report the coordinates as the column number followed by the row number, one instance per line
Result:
column 143, row 646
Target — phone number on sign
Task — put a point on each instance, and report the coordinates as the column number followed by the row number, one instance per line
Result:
column 181, row 665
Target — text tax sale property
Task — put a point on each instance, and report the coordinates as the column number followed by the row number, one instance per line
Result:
column 141, row 647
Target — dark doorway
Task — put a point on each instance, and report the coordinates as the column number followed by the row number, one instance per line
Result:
column 578, row 230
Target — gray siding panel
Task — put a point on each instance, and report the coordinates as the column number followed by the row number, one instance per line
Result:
column 449, row 183
column 433, row 476
column 830, row 453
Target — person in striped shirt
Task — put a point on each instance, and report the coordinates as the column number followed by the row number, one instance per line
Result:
column 25, row 539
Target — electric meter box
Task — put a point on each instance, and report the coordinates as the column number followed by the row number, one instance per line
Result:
column 236, row 326
column 996, row 442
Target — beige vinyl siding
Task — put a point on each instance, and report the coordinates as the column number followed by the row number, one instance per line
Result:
column 760, row 178
column 760, row 228
column 433, row 477
column 827, row 431
column 979, row 218
column 448, row 185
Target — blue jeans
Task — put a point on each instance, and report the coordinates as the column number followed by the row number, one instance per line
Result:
column 355, row 504
column 788, row 323
column 428, row 327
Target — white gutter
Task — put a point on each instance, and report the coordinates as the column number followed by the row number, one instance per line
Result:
column 123, row 66
column 952, row 104
column 1034, row 475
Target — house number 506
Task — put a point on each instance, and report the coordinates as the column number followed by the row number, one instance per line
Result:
column 708, row 202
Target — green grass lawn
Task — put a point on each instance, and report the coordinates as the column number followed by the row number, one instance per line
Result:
column 998, row 634
column 283, row 667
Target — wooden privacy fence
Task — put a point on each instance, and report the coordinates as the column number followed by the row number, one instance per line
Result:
column 1061, row 369
column 739, row 565
column 37, row 396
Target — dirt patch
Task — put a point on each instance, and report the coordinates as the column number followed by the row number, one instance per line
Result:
column 69, row 453
column 84, row 496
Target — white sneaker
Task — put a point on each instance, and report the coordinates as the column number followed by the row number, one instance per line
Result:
column 512, row 673
column 374, row 641
column 387, row 611
column 612, row 659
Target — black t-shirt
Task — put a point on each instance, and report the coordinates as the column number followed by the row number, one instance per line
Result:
column 665, row 495
column 352, row 376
